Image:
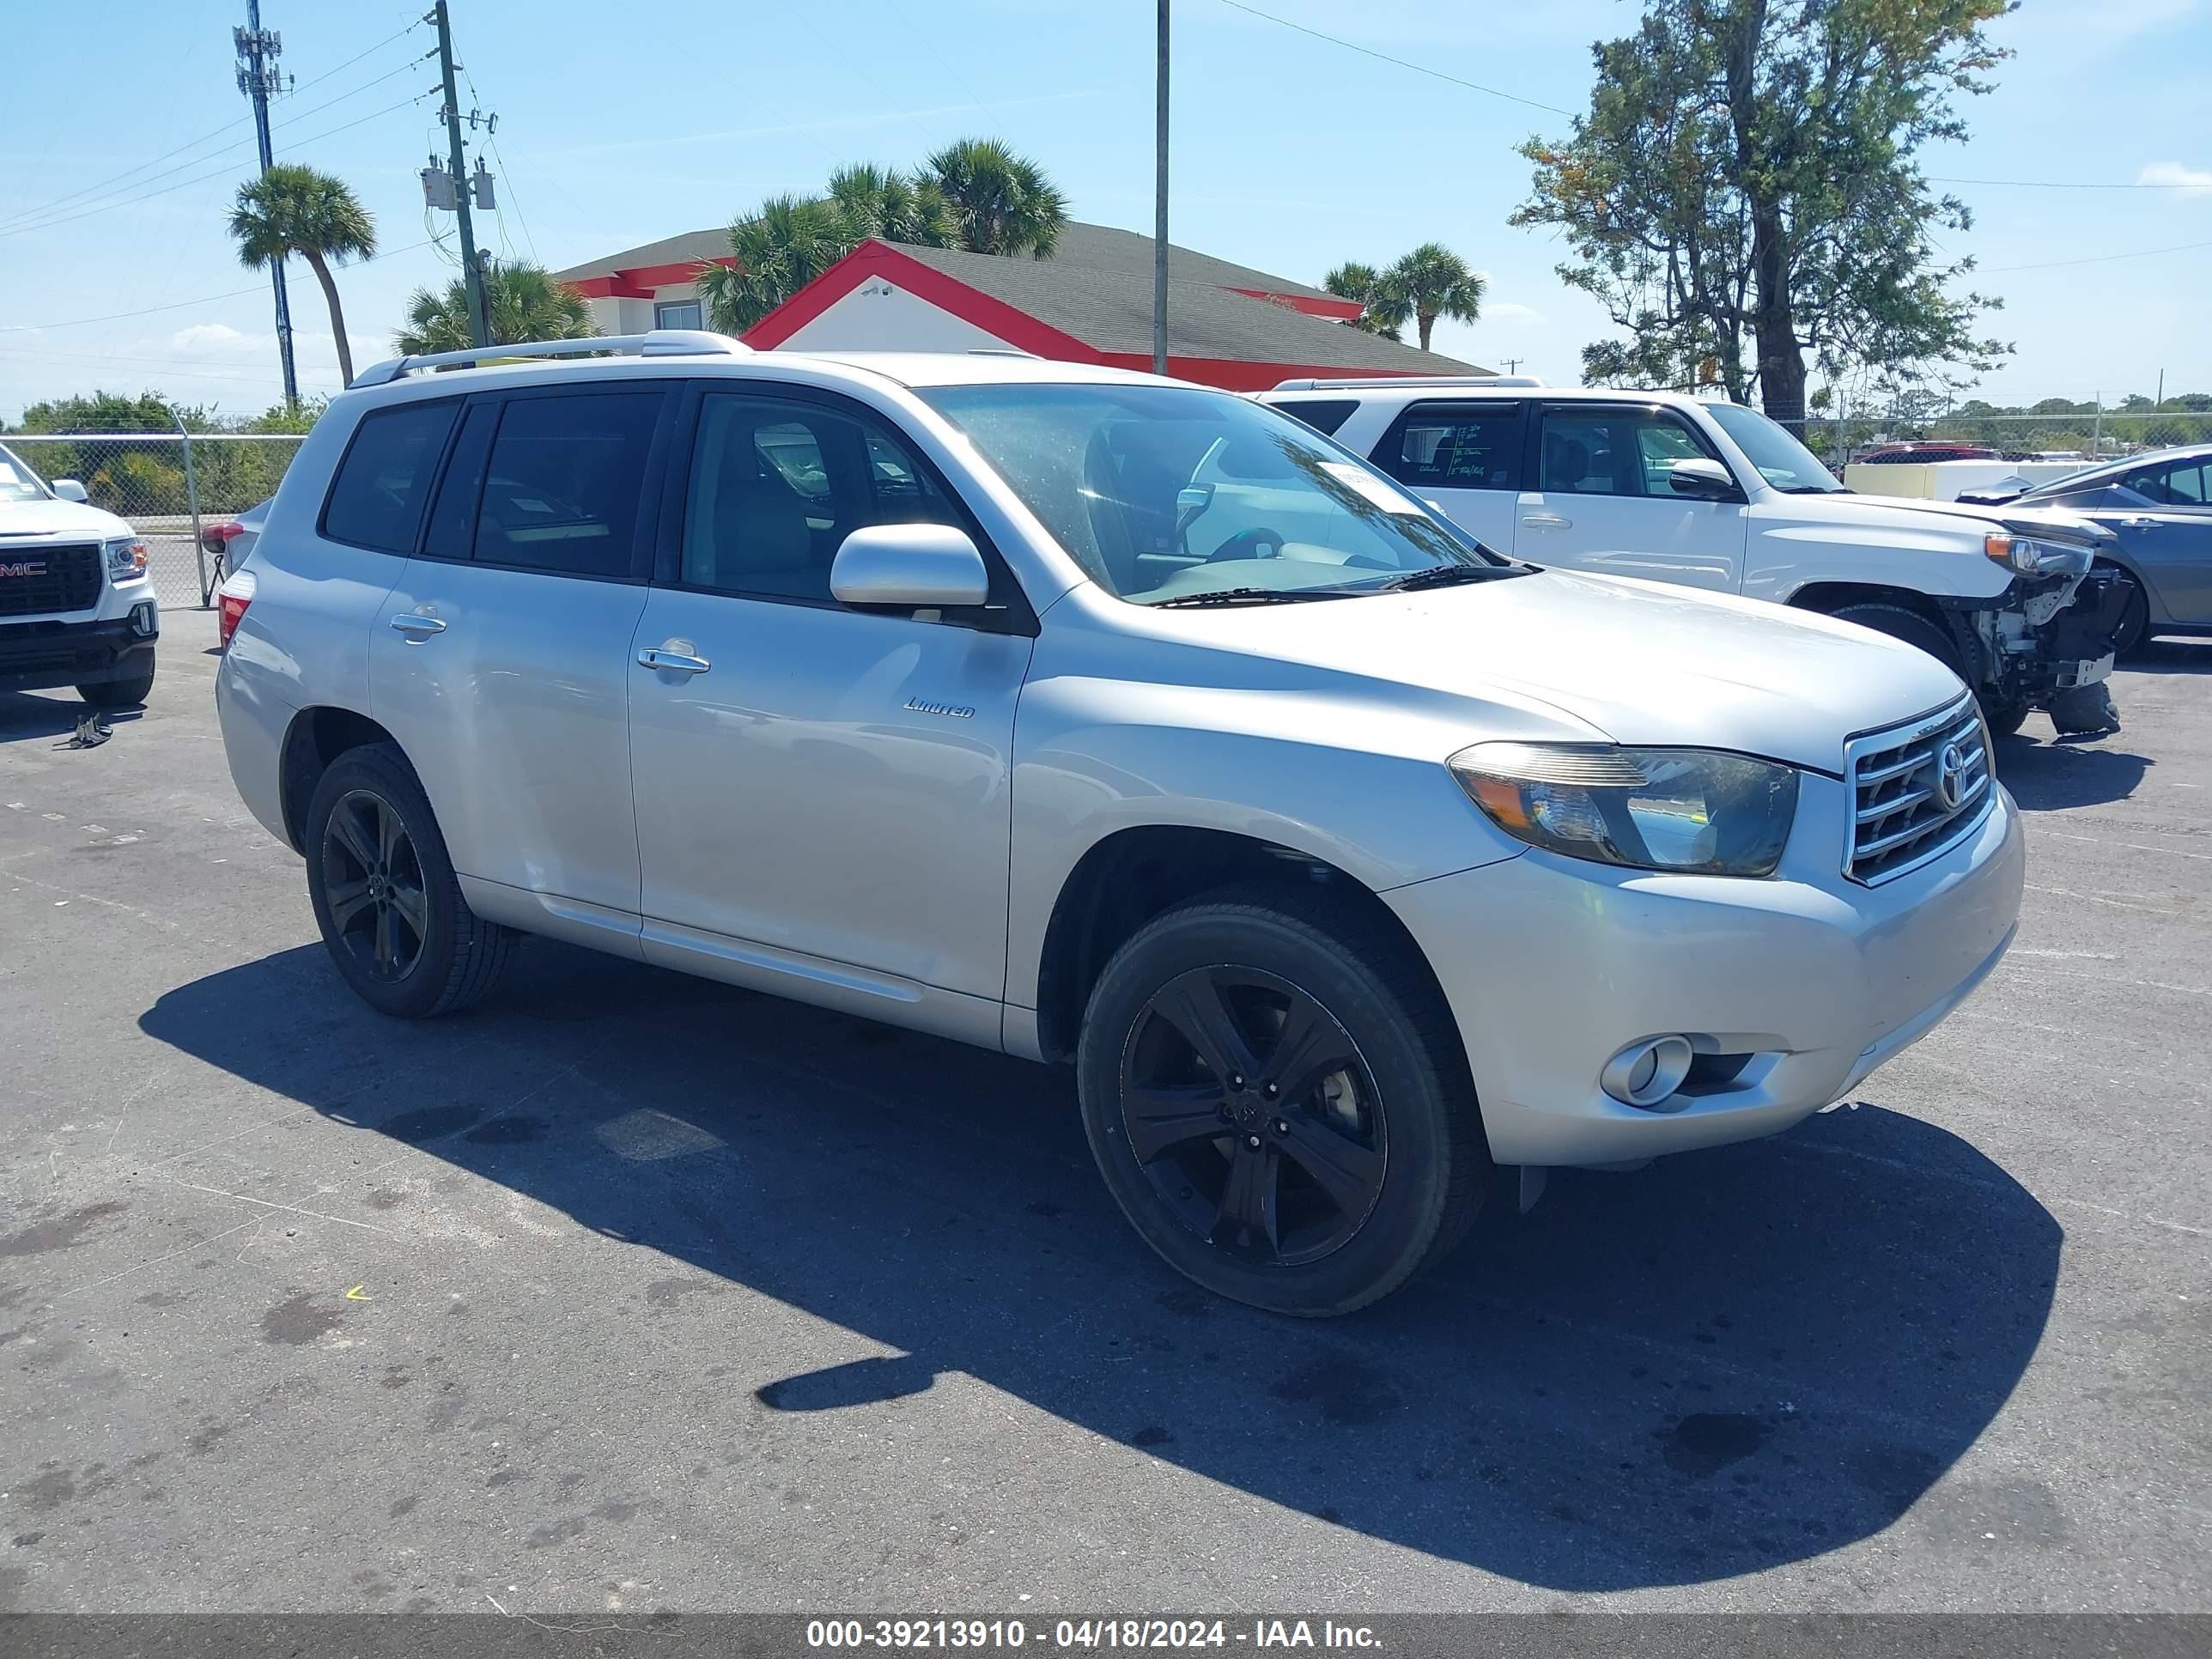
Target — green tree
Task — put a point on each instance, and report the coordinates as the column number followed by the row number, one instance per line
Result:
column 1003, row 202
column 892, row 207
column 292, row 208
column 784, row 245
column 1744, row 192
column 1435, row 283
column 1384, row 308
column 521, row 302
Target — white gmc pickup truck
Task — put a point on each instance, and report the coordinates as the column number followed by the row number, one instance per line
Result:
column 76, row 607
column 1710, row 495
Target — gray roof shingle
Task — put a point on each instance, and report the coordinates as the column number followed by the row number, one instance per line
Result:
column 1109, row 308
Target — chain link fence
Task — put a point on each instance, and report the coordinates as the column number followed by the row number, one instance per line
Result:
column 173, row 487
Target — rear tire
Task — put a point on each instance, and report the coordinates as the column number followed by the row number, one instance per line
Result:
column 1909, row 626
column 1366, row 1164
column 118, row 694
column 384, row 894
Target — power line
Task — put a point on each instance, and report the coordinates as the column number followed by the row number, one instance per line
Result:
column 1418, row 68
column 179, row 305
column 115, row 185
column 2100, row 259
column 216, row 173
column 2054, row 184
column 505, row 174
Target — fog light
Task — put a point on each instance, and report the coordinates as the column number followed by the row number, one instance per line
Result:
column 1645, row 1073
column 142, row 621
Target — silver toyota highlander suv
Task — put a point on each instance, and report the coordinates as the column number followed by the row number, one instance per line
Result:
column 1103, row 718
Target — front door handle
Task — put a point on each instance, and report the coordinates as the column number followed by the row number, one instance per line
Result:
column 1545, row 521
column 417, row 627
column 671, row 662
column 2137, row 524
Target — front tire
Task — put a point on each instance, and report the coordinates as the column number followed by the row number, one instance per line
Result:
column 1275, row 1092
column 384, row 894
column 118, row 694
column 1909, row 626
column 2135, row 615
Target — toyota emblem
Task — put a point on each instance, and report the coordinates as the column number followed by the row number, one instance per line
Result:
column 1950, row 776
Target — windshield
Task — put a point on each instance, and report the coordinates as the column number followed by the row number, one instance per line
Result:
column 1169, row 493
column 17, row 482
column 1781, row 459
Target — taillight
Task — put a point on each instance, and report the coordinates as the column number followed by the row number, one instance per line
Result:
column 231, row 600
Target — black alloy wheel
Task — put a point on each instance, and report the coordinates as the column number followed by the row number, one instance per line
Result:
column 1250, row 1110
column 379, row 908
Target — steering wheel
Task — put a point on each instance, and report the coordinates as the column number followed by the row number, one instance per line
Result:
column 1247, row 543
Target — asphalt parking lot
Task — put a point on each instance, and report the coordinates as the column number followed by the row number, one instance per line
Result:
column 631, row 1290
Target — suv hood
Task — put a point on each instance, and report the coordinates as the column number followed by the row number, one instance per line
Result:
column 2045, row 523
column 57, row 518
column 1641, row 663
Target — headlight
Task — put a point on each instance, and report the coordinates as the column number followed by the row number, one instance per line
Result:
column 126, row 558
column 1650, row 809
column 2033, row 558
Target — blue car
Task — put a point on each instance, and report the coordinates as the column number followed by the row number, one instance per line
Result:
column 2159, row 506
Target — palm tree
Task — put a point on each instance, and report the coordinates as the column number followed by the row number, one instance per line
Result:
column 1003, row 202
column 783, row 245
column 1385, row 308
column 893, row 207
column 1435, row 283
column 521, row 302
column 292, row 208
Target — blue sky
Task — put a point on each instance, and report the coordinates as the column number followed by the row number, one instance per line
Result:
column 620, row 124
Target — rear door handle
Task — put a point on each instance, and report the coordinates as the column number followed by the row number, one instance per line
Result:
column 417, row 627
column 671, row 662
column 1545, row 521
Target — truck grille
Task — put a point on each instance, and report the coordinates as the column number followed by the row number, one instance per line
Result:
column 38, row 578
column 1917, row 790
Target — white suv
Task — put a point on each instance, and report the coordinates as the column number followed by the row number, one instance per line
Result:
column 1715, row 495
column 76, row 607
column 1099, row 717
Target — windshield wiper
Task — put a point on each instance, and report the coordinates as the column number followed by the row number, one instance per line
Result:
column 1447, row 575
column 1249, row 596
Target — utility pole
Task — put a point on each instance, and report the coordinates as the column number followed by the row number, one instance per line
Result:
column 1513, row 365
column 471, row 272
column 1160, row 206
column 260, row 80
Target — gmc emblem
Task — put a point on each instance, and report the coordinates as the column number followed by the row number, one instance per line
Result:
column 28, row 567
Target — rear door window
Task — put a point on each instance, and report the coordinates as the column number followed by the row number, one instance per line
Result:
column 1446, row 446
column 564, row 483
column 376, row 500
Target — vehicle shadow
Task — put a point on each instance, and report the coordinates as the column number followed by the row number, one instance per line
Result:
column 2170, row 656
column 2046, row 777
column 1724, row 1363
column 23, row 715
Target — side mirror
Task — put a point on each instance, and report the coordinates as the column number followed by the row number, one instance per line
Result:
column 920, row 567
column 69, row 489
column 1705, row 479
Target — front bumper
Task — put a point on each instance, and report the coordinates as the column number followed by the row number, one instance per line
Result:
column 38, row 656
column 1553, row 965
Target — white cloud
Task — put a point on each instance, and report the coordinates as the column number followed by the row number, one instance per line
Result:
column 205, row 337
column 2191, row 181
column 1512, row 314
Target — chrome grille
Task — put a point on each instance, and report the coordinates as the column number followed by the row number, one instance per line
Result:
column 1916, row 790
column 40, row 577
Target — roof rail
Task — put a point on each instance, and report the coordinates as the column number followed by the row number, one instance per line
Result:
column 1002, row 351
column 1351, row 382
column 661, row 343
